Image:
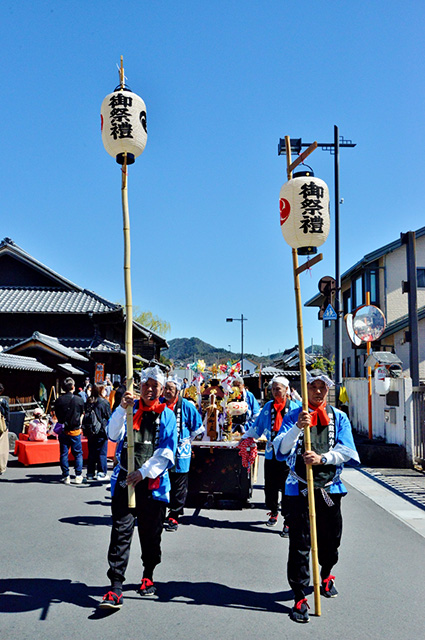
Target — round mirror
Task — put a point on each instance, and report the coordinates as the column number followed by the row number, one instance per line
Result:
column 368, row 323
column 349, row 325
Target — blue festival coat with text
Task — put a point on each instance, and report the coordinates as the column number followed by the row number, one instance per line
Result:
column 163, row 456
column 190, row 427
column 263, row 426
column 344, row 448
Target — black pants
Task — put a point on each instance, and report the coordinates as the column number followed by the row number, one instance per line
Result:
column 150, row 515
column 275, row 474
column 329, row 531
column 178, row 493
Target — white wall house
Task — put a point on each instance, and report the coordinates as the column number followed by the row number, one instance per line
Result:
column 380, row 272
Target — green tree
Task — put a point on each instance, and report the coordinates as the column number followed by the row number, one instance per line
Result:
column 148, row 320
column 326, row 365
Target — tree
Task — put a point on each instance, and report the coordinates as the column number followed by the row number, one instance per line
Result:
column 148, row 320
column 326, row 365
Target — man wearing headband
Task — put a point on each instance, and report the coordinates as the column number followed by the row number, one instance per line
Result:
column 155, row 435
column 189, row 425
column 268, row 424
column 331, row 446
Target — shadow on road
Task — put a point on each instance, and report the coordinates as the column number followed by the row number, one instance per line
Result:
column 18, row 595
column 88, row 521
column 257, row 526
column 220, row 595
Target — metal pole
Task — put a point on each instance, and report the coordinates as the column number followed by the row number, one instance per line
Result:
column 369, row 382
column 338, row 323
column 412, row 297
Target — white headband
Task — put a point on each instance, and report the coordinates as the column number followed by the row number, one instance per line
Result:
column 175, row 380
column 154, row 373
column 281, row 380
column 320, row 375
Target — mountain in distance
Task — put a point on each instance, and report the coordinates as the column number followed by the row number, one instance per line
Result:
column 187, row 350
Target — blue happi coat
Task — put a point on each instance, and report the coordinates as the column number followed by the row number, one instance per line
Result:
column 262, row 426
column 190, row 427
column 253, row 408
column 344, row 444
column 165, row 450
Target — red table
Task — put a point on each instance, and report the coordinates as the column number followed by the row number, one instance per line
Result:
column 48, row 452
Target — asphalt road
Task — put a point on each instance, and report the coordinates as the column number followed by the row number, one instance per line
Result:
column 223, row 573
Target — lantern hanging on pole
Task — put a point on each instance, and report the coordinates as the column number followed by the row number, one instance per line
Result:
column 123, row 122
column 304, row 212
column 124, row 135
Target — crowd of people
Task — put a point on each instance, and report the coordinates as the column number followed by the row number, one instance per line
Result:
column 166, row 420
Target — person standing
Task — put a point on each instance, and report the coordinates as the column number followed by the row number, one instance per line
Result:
column 69, row 410
column 96, row 434
column 155, row 437
column 4, row 431
column 331, row 446
column 275, row 471
column 189, row 425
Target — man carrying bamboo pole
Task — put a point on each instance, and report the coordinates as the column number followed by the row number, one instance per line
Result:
column 155, row 436
column 331, row 446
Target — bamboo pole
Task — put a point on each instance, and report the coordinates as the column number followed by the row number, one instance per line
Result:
column 307, row 439
column 128, row 328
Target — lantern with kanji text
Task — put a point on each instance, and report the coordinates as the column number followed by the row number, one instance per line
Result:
column 123, row 121
column 304, row 212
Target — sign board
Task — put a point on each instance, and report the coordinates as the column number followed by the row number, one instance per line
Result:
column 99, row 373
column 330, row 313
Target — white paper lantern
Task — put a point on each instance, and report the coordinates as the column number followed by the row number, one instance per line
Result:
column 304, row 213
column 237, row 408
column 123, row 121
column 382, row 380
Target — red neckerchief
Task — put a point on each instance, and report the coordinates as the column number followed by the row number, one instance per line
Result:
column 157, row 407
column 319, row 414
column 173, row 404
column 278, row 407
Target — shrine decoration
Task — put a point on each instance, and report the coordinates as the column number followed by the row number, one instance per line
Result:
column 248, row 452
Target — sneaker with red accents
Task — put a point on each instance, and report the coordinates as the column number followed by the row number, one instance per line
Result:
column 171, row 524
column 147, row 588
column 272, row 521
column 111, row 600
column 328, row 587
column 299, row 612
column 285, row 531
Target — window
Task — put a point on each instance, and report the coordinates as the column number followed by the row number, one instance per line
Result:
column 346, row 301
column 358, row 291
column 420, row 274
column 372, row 286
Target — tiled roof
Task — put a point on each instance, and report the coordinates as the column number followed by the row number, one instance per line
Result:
column 10, row 361
column 72, row 370
column 38, row 300
column 51, row 342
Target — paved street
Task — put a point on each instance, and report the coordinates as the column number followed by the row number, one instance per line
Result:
column 222, row 576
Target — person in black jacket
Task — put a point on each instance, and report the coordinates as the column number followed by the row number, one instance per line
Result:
column 69, row 410
column 97, row 442
column 4, row 437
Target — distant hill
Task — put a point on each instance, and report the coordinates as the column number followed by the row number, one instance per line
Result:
column 185, row 350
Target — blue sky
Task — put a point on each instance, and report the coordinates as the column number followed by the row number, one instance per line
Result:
column 222, row 82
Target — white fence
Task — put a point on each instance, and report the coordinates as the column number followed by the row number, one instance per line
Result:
column 392, row 415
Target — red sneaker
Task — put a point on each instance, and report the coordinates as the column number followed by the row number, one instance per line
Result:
column 272, row 521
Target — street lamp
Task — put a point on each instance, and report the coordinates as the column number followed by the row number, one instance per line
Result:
column 241, row 320
column 333, row 147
